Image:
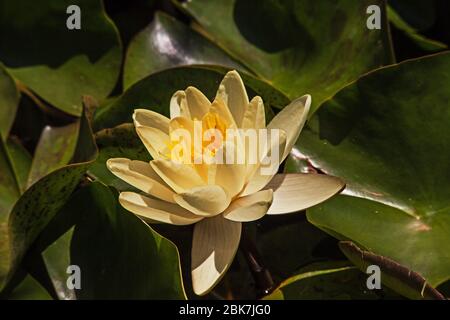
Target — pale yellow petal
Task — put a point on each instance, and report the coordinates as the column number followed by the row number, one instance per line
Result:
column 142, row 176
column 259, row 175
column 249, row 208
column 292, row 119
column 178, row 105
column 232, row 91
column 156, row 142
column 219, row 107
column 299, row 191
column 230, row 173
column 214, row 246
column 157, row 210
column 204, row 201
column 254, row 116
column 197, row 103
column 148, row 118
column 178, row 176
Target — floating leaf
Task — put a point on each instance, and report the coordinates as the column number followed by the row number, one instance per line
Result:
column 387, row 137
column 9, row 99
column 59, row 64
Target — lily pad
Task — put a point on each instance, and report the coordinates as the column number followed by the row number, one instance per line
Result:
column 154, row 93
column 118, row 142
column 325, row 280
column 387, row 136
column 59, row 64
column 129, row 260
column 167, row 43
column 283, row 43
column 24, row 218
column 9, row 100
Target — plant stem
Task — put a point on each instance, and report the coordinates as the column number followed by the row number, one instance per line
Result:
column 261, row 275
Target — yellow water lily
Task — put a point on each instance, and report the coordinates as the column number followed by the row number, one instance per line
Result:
column 216, row 197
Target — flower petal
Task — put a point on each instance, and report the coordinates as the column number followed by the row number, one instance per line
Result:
column 148, row 118
column 254, row 116
column 178, row 105
column 249, row 208
column 142, row 176
column 197, row 103
column 299, row 191
column 204, row 201
column 259, row 175
column 156, row 142
column 232, row 92
column 214, row 245
column 292, row 119
column 156, row 210
column 229, row 173
column 178, row 176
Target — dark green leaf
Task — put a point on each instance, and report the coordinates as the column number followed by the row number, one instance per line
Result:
column 154, row 92
column 407, row 282
column 9, row 99
column 387, row 136
column 167, row 43
column 128, row 261
column 325, row 280
column 118, row 142
column 314, row 47
column 59, row 64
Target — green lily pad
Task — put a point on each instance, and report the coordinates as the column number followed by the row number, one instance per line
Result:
column 387, row 137
column 299, row 47
column 409, row 283
column 118, row 142
column 325, row 280
column 55, row 149
column 420, row 40
column 9, row 100
column 128, row 261
column 167, row 43
column 154, row 93
column 59, row 64
column 29, row 289
column 24, row 218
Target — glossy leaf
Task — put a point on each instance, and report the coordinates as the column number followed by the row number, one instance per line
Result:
column 20, row 162
column 9, row 100
column 386, row 136
column 409, row 283
column 29, row 289
column 59, row 64
column 325, row 280
column 118, row 142
column 55, row 149
column 168, row 43
column 37, row 206
column 154, row 93
column 129, row 260
column 284, row 44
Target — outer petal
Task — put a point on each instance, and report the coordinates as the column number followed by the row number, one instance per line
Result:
column 197, row 103
column 157, row 210
column 148, row 118
column 179, row 177
column 204, row 201
column 156, row 142
column 249, row 208
column 232, row 92
column 254, row 116
column 142, row 176
column 257, row 176
column 292, row 119
column 214, row 245
column 299, row 191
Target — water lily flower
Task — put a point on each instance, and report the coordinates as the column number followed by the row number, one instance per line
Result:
column 217, row 198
